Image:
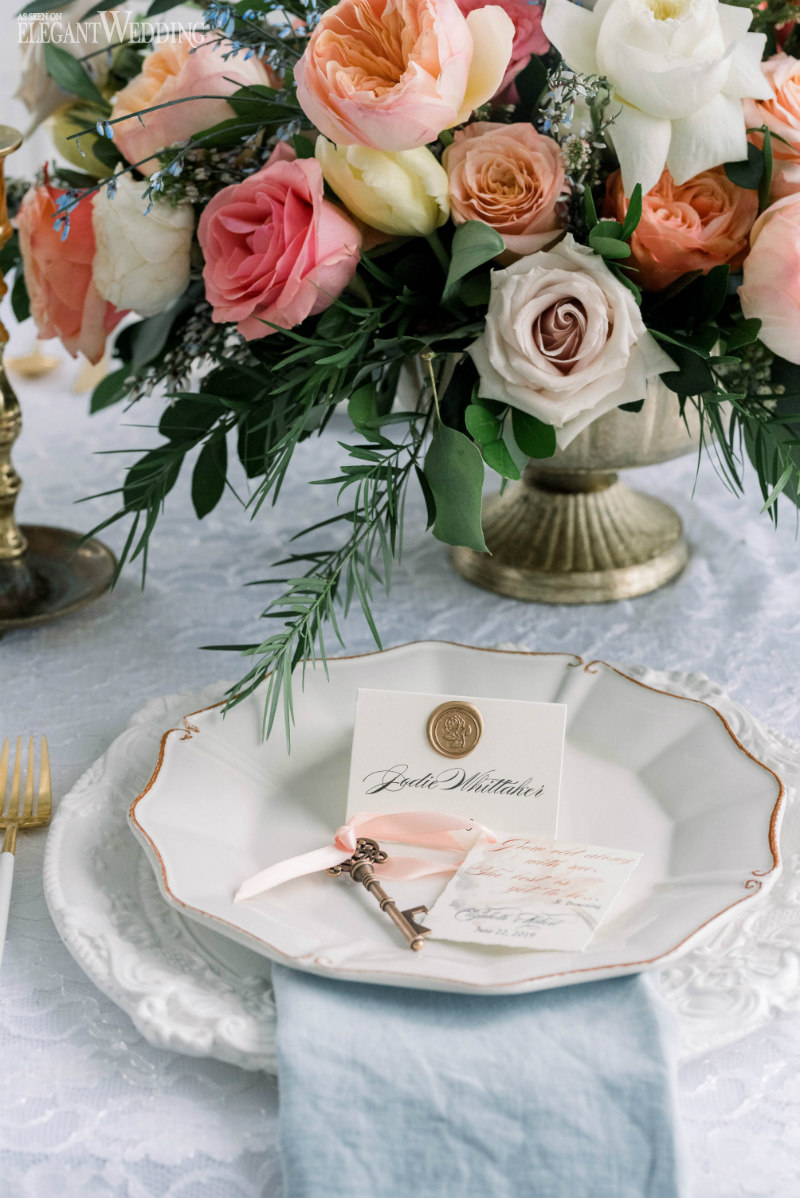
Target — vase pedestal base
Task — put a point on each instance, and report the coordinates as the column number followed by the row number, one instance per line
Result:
column 575, row 537
column 58, row 573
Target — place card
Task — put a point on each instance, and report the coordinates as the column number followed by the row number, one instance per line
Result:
column 496, row 761
column 525, row 892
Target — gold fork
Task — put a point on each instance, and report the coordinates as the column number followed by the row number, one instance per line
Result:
column 17, row 811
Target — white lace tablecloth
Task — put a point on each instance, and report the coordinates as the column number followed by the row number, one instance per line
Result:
column 89, row 1109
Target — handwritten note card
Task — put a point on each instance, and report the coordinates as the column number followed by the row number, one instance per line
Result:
column 497, row 761
column 531, row 893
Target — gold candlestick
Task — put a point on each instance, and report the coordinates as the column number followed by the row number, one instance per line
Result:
column 44, row 572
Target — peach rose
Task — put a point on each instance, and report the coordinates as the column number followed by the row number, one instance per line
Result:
column 392, row 74
column 770, row 290
column 691, row 226
column 275, row 249
column 528, row 39
column 510, row 177
column 781, row 115
column 177, row 70
column 64, row 300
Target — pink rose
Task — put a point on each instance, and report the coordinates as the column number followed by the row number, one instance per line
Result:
column 770, row 290
column 781, row 115
column 64, row 300
column 528, row 39
column 688, row 226
column 392, row 74
column 177, row 70
column 510, row 177
column 275, row 249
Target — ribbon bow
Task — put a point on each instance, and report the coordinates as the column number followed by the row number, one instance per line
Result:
column 431, row 829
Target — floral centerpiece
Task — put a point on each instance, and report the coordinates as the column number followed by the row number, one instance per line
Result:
column 541, row 208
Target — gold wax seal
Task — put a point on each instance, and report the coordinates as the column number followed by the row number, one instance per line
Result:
column 454, row 728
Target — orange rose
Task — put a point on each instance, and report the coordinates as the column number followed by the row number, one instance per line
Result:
column 178, row 70
column 692, row 226
column 510, row 177
column 781, row 115
column 64, row 300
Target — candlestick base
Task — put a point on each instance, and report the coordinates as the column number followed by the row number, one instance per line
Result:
column 58, row 574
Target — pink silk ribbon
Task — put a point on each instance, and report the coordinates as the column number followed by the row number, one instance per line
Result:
column 433, row 829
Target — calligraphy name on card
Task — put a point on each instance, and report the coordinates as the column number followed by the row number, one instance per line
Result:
column 497, row 761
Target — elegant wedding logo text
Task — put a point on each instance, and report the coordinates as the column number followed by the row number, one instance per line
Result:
column 106, row 29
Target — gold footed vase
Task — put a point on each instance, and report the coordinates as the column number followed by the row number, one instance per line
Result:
column 572, row 532
column 44, row 572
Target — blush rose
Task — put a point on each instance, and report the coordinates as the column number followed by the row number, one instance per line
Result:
column 781, row 115
column 510, row 177
column 564, row 340
column 178, row 70
column 769, row 290
column 275, row 249
column 65, row 302
column 392, row 74
column 689, row 226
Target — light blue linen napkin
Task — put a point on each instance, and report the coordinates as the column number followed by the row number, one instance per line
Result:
column 394, row 1093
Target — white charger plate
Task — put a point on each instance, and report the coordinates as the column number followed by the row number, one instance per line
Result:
column 643, row 770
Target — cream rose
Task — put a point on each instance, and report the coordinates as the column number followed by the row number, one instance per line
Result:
column 141, row 262
column 404, row 193
column 679, row 70
column 564, row 340
column 770, row 288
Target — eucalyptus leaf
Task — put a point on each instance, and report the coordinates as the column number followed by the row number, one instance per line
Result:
column 634, row 213
column 533, row 436
column 482, row 426
column 110, row 390
column 745, row 332
column 496, row 455
column 608, row 246
column 454, row 470
column 362, row 407
column 71, row 76
column 20, row 301
column 747, row 173
column 188, row 419
column 208, row 477
column 474, row 243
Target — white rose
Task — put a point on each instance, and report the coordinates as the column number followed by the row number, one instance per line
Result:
column 564, row 340
column 40, row 94
column 141, row 263
column 404, row 192
column 679, row 70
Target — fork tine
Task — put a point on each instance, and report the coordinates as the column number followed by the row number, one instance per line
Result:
column 13, row 798
column 45, row 790
column 3, row 775
column 27, row 805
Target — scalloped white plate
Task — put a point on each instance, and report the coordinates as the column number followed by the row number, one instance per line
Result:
column 643, row 770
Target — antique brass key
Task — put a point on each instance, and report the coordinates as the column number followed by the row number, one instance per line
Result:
column 360, row 868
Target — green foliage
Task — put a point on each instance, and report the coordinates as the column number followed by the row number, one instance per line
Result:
column 454, row 470
column 474, row 244
column 534, row 437
column 11, row 262
column 70, row 75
